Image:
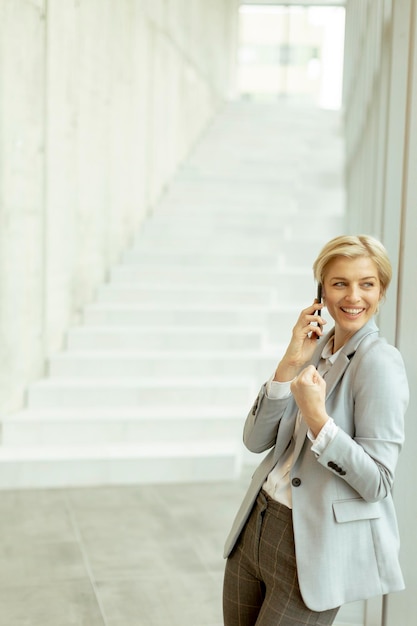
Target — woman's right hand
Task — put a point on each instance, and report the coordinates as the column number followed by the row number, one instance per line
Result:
column 303, row 343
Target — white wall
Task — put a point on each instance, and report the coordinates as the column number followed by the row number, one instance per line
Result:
column 381, row 126
column 100, row 100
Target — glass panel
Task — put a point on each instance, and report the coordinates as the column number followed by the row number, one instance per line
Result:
column 293, row 52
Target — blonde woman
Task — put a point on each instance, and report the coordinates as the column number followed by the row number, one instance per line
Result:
column 317, row 527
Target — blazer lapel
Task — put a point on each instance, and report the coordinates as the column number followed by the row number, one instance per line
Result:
column 336, row 372
column 301, row 439
column 338, row 368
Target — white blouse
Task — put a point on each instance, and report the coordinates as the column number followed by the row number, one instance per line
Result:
column 278, row 484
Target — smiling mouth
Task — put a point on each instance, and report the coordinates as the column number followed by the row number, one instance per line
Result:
column 352, row 311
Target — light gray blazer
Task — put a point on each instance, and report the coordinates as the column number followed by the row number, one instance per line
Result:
column 345, row 528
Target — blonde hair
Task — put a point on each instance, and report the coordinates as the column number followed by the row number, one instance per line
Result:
column 353, row 246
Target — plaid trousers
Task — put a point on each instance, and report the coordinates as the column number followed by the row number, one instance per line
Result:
column 261, row 583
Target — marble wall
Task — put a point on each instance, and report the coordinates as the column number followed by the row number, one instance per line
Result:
column 100, row 101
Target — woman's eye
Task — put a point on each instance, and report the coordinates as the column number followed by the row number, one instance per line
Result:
column 368, row 285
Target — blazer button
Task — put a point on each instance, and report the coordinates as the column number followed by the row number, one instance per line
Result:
column 332, row 464
column 296, row 482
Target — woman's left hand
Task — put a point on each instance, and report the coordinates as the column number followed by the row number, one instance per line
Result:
column 309, row 391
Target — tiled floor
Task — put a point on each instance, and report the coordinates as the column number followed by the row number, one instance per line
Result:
column 117, row 556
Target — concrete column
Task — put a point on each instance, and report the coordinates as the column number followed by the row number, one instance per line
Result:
column 100, row 102
column 381, row 113
column 402, row 608
column 396, row 138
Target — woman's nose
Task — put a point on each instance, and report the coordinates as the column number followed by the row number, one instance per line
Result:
column 353, row 294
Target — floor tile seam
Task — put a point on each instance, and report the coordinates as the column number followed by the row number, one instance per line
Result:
column 86, row 560
column 159, row 498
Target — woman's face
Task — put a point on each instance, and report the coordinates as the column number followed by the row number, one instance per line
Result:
column 351, row 292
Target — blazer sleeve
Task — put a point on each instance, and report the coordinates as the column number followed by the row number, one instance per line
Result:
column 262, row 423
column 367, row 460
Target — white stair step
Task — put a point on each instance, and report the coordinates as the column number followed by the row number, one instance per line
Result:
column 216, row 245
column 281, row 319
column 183, row 230
column 40, row 467
column 104, row 425
column 163, row 363
column 168, row 338
column 205, row 278
column 171, row 217
column 68, row 393
column 259, row 193
column 174, row 218
column 280, row 208
column 171, row 294
column 300, row 231
column 238, row 243
column 200, row 257
column 264, row 197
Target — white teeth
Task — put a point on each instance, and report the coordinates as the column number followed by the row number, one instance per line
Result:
column 352, row 311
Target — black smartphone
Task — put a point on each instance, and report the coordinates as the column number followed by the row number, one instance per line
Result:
column 319, row 298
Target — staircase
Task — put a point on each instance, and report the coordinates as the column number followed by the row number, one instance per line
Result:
column 155, row 384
